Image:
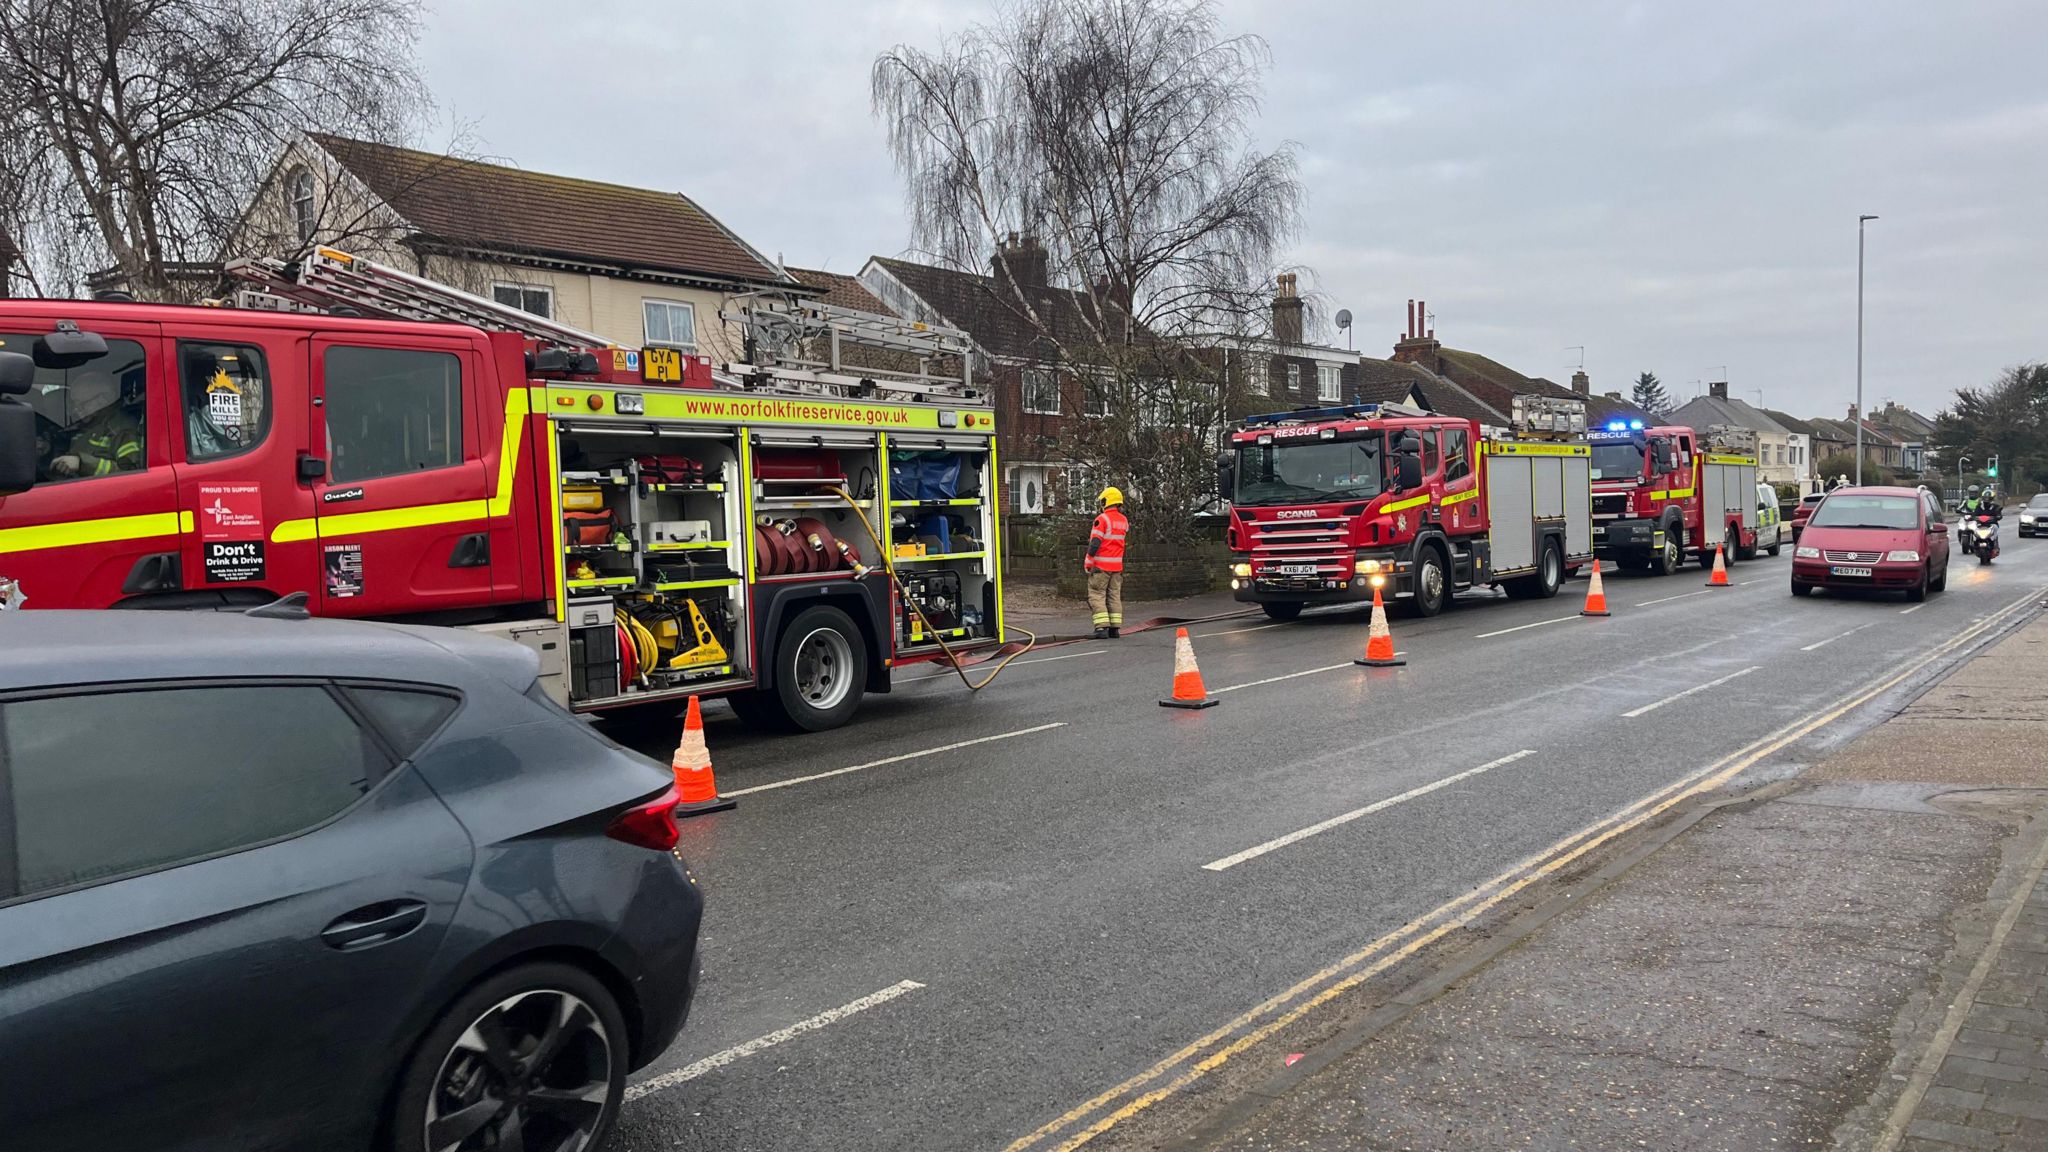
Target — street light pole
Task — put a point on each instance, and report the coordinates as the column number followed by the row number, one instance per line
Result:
column 1860, row 222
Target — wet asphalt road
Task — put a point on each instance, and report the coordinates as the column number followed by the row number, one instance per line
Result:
column 946, row 951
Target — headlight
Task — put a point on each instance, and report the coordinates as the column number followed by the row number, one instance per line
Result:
column 2026, row 517
column 1907, row 555
column 1240, row 569
column 1369, row 566
column 1984, row 532
column 1379, row 581
column 1806, row 552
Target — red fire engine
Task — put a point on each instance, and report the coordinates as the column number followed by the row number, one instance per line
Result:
column 1328, row 504
column 784, row 532
column 1660, row 493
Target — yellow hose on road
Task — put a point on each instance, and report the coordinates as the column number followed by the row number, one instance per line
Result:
column 889, row 566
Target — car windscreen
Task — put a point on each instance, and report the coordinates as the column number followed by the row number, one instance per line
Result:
column 1309, row 471
column 1620, row 460
column 1856, row 511
column 2039, row 502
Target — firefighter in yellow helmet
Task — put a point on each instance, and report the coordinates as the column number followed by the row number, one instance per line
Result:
column 1105, row 564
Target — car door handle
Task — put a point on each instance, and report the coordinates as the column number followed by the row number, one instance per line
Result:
column 374, row 924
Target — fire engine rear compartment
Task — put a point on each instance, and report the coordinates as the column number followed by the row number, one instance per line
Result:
column 1535, row 491
column 685, row 547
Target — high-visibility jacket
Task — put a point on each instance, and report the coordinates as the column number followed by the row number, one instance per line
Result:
column 1106, row 540
column 110, row 442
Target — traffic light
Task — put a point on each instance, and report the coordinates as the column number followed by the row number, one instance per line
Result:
column 1991, row 469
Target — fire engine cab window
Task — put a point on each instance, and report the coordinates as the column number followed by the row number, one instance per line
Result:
column 217, row 767
column 227, row 399
column 391, row 411
column 1430, row 456
column 91, row 420
column 1617, row 460
column 1308, row 471
column 1457, row 459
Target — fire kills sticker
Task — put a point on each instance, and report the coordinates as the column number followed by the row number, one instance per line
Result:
column 231, row 532
column 344, row 566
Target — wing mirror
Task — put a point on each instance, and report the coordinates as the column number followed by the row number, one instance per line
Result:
column 1408, row 471
column 1938, row 527
column 17, row 425
column 1226, row 475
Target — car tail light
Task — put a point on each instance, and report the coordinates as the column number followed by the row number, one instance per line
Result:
column 648, row 824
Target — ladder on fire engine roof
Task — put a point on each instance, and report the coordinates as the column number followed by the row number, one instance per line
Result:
column 797, row 344
column 330, row 280
column 800, row 345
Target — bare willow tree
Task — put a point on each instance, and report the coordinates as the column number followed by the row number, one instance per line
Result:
column 133, row 132
column 1116, row 134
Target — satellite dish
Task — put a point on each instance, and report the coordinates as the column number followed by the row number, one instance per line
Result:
column 1343, row 317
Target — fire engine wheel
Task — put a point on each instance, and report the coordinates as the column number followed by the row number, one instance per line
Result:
column 1282, row 610
column 821, row 669
column 1671, row 557
column 1432, row 588
column 1548, row 579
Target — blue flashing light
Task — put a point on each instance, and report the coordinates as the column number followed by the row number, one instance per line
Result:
column 1635, row 425
column 1616, row 426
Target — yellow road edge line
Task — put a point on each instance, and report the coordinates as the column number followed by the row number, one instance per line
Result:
column 1705, row 779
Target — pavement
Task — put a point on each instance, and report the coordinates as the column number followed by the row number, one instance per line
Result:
column 1052, row 914
column 1858, row 959
column 1039, row 610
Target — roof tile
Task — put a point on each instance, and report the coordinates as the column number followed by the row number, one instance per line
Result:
column 511, row 210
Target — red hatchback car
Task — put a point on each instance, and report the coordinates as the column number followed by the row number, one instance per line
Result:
column 1873, row 538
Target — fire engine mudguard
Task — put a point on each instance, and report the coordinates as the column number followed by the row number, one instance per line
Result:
column 777, row 609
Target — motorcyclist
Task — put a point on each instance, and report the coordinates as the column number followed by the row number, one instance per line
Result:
column 1973, row 499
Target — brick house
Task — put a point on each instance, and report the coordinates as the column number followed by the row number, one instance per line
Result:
column 1464, row 383
column 1038, row 392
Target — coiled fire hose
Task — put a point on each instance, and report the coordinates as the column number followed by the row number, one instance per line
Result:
column 889, row 565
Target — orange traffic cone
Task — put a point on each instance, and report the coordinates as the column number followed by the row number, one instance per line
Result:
column 692, row 766
column 1379, row 643
column 1596, row 596
column 1187, row 679
column 1720, row 577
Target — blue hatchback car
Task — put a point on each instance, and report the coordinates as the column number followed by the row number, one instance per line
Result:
column 273, row 883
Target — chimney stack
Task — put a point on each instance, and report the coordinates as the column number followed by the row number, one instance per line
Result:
column 1021, row 260
column 1418, row 344
column 1582, row 383
column 1287, row 310
column 1852, row 413
column 1718, row 389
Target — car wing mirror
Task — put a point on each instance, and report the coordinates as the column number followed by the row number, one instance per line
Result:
column 1939, row 527
column 67, row 347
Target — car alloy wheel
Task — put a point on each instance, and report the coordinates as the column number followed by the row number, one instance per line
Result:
column 534, row 1072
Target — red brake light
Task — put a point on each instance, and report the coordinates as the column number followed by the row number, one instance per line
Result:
column 649, row 824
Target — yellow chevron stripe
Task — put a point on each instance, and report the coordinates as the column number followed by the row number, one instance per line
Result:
column 109, row 530
column 517, row 407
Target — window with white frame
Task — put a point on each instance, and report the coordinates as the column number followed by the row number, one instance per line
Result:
column 670, row 324
column 1095, row 389
column 1329, row 382
column 538, row 299
column 1293, row 379
column 298, row 192
column 1258, row 377
column 1041, row 392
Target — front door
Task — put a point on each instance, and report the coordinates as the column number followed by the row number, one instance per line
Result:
column 101, row 525
column 231, row 971
column 403, row 505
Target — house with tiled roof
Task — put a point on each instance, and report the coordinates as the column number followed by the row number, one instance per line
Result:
column 1032, row 339
column 1465, row 383
column 1910, row 430
column 1783, row 455
column 638, row 266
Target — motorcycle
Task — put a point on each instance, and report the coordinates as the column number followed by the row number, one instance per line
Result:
column 1980, row 537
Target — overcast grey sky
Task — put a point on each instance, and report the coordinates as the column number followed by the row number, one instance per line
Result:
column 1674, row 186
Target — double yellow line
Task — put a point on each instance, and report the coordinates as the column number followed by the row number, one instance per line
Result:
column 1203, row 1056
